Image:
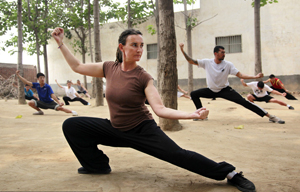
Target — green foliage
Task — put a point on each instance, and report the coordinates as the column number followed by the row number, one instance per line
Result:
column 188, row 2
column 192, row 21
column 77, row 20
column 151, row 29
column 264, row 2
column 35, row 22
column 140, row 11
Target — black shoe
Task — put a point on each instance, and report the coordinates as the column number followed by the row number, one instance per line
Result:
column 240, row 182
column 82, row 170
column 290, row 107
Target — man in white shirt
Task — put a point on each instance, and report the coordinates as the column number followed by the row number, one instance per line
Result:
column 217, row 71
column 71, row 94
column 260, row 93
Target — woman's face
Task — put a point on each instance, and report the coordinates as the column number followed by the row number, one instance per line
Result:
column 133, row 49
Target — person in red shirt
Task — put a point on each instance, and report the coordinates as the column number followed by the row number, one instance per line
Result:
column 278, row 86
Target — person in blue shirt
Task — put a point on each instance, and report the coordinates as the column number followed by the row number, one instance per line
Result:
column 29, row 95
column 46, row 96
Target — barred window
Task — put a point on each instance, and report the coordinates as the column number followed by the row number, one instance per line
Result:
column 232, row 44
column 152, row 51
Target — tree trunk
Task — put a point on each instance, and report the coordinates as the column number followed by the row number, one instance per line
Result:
column 21, row 94
column 156, row 14
column 93, row 95
column 98, row 81
column 258, row 64
column 189, row 48
column 46, row 64
column 167, row 77
column 45, row 45
column 37, row 51
column 129, row 23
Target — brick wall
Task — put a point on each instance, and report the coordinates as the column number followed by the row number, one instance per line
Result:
column 30, row 71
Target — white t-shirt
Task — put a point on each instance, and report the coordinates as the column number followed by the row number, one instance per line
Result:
column 258, row 92
column 217, row 74
column 70, row 92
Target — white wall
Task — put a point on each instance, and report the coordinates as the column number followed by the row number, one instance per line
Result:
column 280, row 36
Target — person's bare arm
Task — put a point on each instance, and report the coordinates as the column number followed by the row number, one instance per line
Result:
column 266, row 81
column 84, row 88
column 183, row 91
column 278, row 93
column 282, row 86
column 92, row 69
column 58, row 84
column 188, row 58
column 164, row 112
column 243, row 82
column 77, row 95
column 53, row 96
column 25, row 81
column 36, row 97
column 244, row 76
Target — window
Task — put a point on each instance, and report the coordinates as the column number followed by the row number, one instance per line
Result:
column 232, row 44
column 152, row 51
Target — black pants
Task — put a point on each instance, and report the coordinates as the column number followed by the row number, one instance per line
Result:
column 229, row 94
column 30, row 98
column 85, row 133
column 288, row 95
column 68, row 99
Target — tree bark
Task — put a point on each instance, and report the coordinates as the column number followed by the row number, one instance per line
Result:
column 167, row 76
column 45, row 45
column 37, row 51
column 46, row 64
column 21, row 94
column 258, row 64
column 129, row 23
column 98, row 81
column 189, row 48
column 93, row 95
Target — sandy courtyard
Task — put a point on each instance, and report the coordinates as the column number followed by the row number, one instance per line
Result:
column 36, row 157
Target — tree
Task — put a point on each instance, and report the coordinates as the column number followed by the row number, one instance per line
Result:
column 190, row 23
column 167, row 76
column 34, row 28
column 257, row 4
column 188, row 28
column 21, row 94
column 129, row 22
column 98, row 81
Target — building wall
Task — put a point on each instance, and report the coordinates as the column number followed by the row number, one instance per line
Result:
column 8, row 69
column 279, row 37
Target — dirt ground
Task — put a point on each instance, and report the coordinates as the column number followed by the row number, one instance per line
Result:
column 36, row 157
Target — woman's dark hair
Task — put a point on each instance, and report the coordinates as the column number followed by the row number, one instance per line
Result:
column 122, row 39
column 260, row 84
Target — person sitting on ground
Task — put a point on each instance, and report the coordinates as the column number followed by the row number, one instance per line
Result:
column 260, row 93
column 71, row 94
column 46, row 96
column 279, row 86
column 82, row 89
column 131, row 124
